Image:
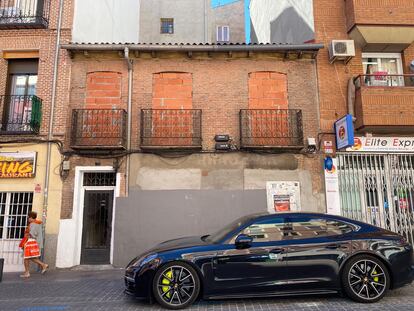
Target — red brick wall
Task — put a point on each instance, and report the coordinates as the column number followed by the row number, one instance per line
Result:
column 172, row 90
column 394, row 12
column 103, row 90
column 268, row 90
column 330, row 24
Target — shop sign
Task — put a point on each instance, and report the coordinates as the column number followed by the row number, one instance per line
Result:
column 344, row 132
column 17, row 165
column 383, row 144
column 283, row 196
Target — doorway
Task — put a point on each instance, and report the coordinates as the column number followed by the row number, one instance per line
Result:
column 98, row 203
column 97, row 227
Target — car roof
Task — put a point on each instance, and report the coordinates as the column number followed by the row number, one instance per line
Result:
column 287, row 214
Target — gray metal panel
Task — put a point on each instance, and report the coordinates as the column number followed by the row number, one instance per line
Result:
column 146, row 218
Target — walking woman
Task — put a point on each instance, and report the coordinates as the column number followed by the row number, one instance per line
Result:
column 31, row 244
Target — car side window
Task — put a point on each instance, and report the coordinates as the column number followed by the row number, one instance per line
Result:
column 307, row 227
column 269, row 230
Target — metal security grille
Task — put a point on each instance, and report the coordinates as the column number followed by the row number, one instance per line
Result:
column 378, row 189
column 99, row 179
column 14, row 207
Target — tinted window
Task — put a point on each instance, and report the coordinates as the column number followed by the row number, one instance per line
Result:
column 306, row 227
column 267, row 230
column 221, row 234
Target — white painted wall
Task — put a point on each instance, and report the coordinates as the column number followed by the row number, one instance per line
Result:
column 263, row 12
column 106, row 21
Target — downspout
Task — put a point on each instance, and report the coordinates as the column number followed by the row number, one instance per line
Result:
column 51, row 117
column 129, row 111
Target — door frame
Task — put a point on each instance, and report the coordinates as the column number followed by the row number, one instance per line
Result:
column 78, row 204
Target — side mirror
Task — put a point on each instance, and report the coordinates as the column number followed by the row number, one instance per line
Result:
column 243, row 241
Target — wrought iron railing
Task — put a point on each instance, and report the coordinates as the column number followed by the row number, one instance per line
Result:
column 174, row 128
column 21, row 114
column 271, row 128
column 98, row 128
column 24, row 13
column 383, row 79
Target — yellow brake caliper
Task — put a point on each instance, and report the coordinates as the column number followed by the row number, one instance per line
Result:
column 166, row 282
column 376, row 279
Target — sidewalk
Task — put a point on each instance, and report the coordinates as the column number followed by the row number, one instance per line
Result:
column 103, row 290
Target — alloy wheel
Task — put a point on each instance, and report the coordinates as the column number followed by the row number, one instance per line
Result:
column 176, row 285
column 367, row 279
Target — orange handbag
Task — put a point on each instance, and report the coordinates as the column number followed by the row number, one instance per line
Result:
column 31, row 249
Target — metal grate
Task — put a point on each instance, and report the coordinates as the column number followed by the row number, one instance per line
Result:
column 271, row 128
column 24, row 13
column 14, row 207
column 99, row 179
column 22, row 114
column 172, row 128
column 99, row 128
column 378, row 189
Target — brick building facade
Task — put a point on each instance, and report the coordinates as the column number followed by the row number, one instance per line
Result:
column 28, row 35
column 181, row 99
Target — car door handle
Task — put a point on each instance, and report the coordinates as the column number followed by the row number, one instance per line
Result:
column 333, row 246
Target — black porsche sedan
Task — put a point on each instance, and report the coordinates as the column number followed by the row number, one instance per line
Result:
column 272, row 255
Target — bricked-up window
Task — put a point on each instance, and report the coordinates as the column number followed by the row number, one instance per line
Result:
column 172, row 92
column 268, row 100
column 223, row 33
column 268, row 90
column 103, row 90
column 167, row 25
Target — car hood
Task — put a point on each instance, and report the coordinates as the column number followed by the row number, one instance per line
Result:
column 186, row 242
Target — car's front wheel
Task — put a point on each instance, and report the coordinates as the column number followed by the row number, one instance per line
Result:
column 365, row 279
column 176, row 285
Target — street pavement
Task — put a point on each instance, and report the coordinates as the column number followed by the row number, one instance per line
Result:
column 103, row 290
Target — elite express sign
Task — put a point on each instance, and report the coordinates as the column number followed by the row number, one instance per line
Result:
column 17, row 165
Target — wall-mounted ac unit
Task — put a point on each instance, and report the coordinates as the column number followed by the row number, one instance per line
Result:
column 341, row 50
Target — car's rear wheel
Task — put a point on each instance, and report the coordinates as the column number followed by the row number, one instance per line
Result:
column 365, row 279
column 176, row 285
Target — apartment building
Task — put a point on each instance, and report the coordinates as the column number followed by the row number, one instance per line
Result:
column 181, row 137
column 29, row 96
column 365, row 70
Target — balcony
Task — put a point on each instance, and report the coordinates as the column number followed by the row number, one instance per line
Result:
column 98, row 129
column 271, row 129
column 171, row 129
column 384, row 103
column 386, row 25
column 24, row 14
column 21, row 115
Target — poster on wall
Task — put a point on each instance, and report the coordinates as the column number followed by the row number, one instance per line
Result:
column 17, row 164
column 333, row 204
column 283, row 196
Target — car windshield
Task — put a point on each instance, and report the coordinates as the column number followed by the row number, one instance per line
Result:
column 220, row 234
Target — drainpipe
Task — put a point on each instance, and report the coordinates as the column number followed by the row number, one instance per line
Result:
column 52, row 115
column 129, row 111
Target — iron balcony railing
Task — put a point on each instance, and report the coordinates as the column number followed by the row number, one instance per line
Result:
column 99, row 128
column 22, row 114
column 171, row 128
column 271, row 128
column 383, row 79
column 24, row 13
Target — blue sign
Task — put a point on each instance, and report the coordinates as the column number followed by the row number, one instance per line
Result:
column 344, row 132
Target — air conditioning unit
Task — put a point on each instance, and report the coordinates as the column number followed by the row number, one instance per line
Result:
column 341, row 50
